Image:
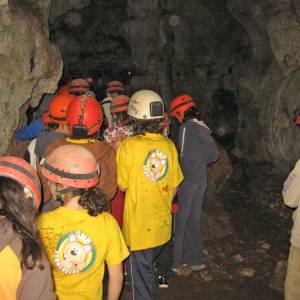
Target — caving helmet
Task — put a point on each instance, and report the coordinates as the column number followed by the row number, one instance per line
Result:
column 115, row 86
column 84, row 116
column 57, row 110
column 20, row 170
column 146, row 105
column 79, row 86
column 72, row 166
column 179, row 105
column 119, row 104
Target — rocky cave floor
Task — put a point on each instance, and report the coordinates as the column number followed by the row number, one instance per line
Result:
column 249, row 263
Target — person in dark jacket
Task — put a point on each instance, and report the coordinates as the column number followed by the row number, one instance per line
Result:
column 197, row 150
column 25, row 271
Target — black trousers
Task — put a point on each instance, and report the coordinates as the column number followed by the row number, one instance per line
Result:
column 140, row 268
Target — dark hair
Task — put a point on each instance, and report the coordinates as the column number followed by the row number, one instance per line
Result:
column 122, row 118
column 192, row 113
column 94, row 201
column 147, row 126
column 22, row 214
column 50, row 127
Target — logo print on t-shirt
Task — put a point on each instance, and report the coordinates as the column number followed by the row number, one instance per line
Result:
column 155, row 165
column 74, row 253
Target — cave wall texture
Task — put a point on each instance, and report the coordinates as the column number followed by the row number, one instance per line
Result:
column 239, row 59
column 30, row 65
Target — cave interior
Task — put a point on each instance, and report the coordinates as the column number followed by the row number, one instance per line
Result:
column 237, row 59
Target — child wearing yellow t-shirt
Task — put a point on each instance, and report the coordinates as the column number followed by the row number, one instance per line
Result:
column 148, row 171
column 80, row 237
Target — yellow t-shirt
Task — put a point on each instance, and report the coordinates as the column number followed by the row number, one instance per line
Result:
column 148, row 167
column 77, row 246
column 9, row 280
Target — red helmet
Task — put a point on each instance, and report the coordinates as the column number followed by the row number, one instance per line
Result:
column 45, row 118
column 79, row 86
column 180, row 104
column 71, row 165
column 115, row 86
column 19, row 170
column 119, row 103
column 85, row 112
column 57, row 110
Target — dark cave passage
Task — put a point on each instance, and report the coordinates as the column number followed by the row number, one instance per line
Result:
column 224, row 117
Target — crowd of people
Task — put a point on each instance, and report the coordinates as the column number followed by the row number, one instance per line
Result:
column 96, row 192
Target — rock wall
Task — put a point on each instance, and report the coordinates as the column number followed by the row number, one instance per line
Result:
column 59, row 8
column 269, row 81
column 92, row 42
column 250, row 49
column 146, row 34
column 30, row 65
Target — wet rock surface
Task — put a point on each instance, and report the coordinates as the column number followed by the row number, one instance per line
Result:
column 249, row 262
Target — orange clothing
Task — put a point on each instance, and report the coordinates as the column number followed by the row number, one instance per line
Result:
column 16, row 282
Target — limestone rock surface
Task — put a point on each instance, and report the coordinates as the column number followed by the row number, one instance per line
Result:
column 30, row 65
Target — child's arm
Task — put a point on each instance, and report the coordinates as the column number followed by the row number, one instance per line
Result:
column 115, row 281
column 174, row 192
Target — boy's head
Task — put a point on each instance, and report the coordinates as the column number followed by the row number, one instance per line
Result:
column 84, row 116
column 19, row 171
column 183, row 107
column 70, row 181
column 147, row 110
column 56, row 116
column 118, row 109
column 114, row 88
column 79, row 86
column 60, row 168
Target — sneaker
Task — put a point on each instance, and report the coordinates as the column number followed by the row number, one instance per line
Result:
column 197, row 267
column 162, row 282
column 183, row 270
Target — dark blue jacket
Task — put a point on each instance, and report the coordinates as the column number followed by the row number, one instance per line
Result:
column 197, row 149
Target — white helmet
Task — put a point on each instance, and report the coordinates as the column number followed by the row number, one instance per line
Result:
column 146, row 105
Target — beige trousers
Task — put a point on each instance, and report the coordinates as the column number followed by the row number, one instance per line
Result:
column 292, row 281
